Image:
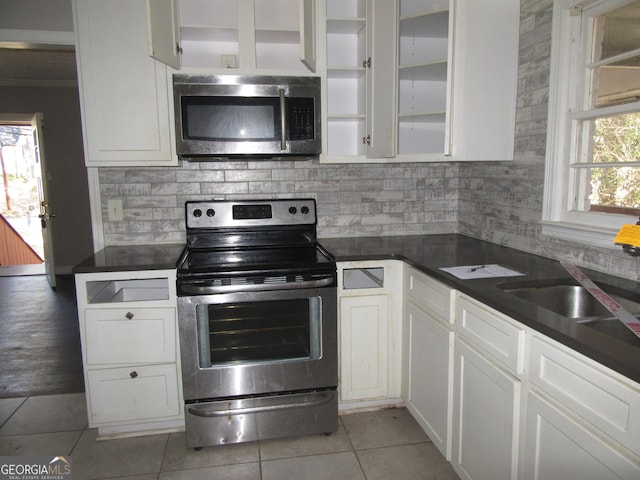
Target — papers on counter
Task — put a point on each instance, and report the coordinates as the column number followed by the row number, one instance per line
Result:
column 481, row 271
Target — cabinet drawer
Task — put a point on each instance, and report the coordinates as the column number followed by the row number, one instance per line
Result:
column 129, row 336
column 497, row 335
column 430, row 294
column 133, row 393
column 589, row 390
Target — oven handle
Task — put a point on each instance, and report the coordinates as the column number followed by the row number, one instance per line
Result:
column 204, row 412
column 206, row 290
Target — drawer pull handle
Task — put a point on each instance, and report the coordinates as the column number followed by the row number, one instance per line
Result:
column 133, row 374
column 129, row 315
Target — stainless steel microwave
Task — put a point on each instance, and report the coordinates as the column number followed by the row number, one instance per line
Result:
column 246, row 116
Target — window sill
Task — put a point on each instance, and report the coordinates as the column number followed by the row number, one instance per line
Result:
column 587, row 235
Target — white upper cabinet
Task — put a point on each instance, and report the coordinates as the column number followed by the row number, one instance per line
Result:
column 246, row 35
column 485, row 73
column 124, row 93
column 344, row 94
column 423, row 73
column 419, row 80
column 360, row 50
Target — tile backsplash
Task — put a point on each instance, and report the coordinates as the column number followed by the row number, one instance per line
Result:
column 496, row 201
column 353, row 200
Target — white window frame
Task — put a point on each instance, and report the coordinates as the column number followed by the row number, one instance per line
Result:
column 567, row 86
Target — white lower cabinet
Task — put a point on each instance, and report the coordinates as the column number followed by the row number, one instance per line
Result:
column 133, row 394
column 430, row 361
column 486, row 411
column 502, row 401
column 370, row 334
column 364, row 333
column 428, row 348
column 129, row 338
column 558, row 445
column 489, row 349
column 582, row 421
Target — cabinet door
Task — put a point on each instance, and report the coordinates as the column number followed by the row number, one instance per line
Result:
column 364, row 347
column 308, row 33
column 430, row 375
column 559, row 446
column 164, row 31
column 601, row 397
column 486, row 413
column 381, row 79
column 124, row 92
column 485, row 71
column 133, row 394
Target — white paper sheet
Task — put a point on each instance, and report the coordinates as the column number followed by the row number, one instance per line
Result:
column 468, row 272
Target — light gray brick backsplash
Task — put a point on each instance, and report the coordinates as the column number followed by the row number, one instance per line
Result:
column 247, row 175
column 203, row 176
column 499, row 202
column 217, row 189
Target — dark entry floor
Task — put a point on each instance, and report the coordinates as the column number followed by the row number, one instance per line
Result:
column 39, row 337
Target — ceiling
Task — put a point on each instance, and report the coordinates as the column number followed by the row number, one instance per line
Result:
column 48, row 67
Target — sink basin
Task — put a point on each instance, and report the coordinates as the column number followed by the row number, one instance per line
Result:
column 574, row 302
column 571, row 301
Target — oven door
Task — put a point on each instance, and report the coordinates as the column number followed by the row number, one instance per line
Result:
column 253, row 343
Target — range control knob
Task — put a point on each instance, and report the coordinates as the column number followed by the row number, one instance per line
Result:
column 197, row 213
column 293, row 210
column 305, row 210
column 211, row 212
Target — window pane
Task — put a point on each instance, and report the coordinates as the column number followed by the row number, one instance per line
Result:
column 617, row 83
column 616, row 33
column 615, row 187
column 616, row 139
column 610, row 141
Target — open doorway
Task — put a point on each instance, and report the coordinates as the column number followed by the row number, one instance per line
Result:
column 26, row 179
column 46, row 81
column 19, row 202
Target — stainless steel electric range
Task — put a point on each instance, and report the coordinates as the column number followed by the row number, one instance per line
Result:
column 257, row 320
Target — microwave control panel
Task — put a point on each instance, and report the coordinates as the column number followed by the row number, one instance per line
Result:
column 300, row 117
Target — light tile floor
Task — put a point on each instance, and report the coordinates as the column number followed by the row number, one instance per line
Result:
column 383, row 445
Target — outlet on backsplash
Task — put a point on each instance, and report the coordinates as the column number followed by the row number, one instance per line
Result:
column 114, row 210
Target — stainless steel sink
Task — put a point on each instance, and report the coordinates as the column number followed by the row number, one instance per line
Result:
column 571, row 301
column 575, row 303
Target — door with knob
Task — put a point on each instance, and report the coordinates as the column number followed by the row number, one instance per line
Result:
column 45, row 211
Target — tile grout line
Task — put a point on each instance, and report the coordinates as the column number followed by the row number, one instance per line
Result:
column 353, row 449
column 14, row 412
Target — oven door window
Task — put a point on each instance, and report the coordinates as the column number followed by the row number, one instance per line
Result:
column 237, row 119
column 259, row 331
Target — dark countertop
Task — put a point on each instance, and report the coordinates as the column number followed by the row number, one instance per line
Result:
column 428, row 253
column 132, row 258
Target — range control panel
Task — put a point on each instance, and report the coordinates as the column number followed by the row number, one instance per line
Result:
column 250, row 213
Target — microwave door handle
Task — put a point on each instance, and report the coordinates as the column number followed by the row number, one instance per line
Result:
column 283, row 121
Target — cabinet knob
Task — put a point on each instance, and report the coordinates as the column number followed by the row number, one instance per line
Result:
column 133, row 374
column 129, row 315
column 367, row 63
column 366, row 140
